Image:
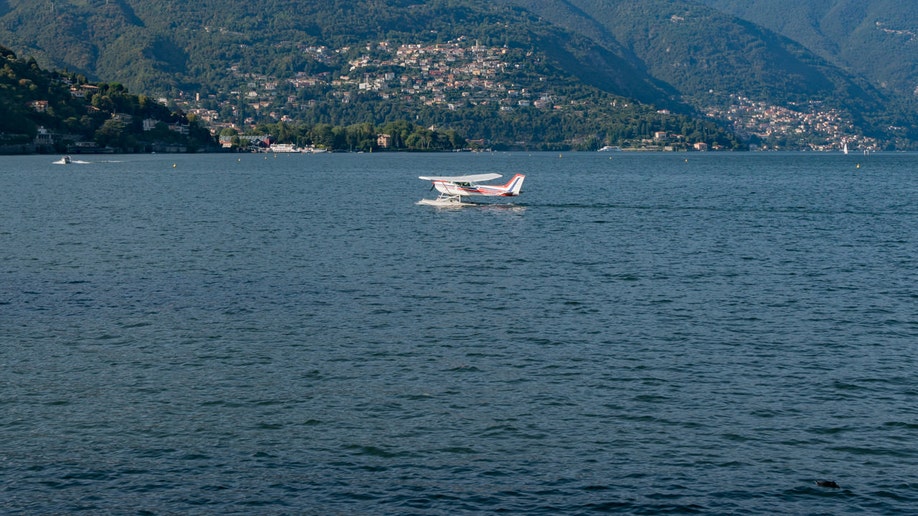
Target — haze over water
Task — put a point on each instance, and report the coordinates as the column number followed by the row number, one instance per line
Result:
column 639, row 333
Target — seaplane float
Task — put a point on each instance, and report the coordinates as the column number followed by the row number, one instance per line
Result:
column 453, row 188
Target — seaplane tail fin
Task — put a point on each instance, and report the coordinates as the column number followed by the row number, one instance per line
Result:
column 515, row 185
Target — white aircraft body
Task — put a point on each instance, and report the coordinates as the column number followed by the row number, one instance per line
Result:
column 453, row 188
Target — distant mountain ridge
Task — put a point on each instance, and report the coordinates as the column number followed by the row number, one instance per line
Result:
column 877, row 39
column 239, row 58
column 695, row 49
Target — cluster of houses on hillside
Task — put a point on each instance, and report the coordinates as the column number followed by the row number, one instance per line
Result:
column 813, row 127
column 461, row 73
column 456, row 74
column 453, row 75
column 46, row 141
column 49, row 141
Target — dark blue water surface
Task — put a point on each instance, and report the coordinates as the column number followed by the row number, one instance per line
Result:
column 709, row 333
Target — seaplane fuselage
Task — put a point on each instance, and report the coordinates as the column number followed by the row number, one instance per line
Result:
column 455, row 186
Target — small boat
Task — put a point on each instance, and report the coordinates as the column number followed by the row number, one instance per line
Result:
column 65, row 160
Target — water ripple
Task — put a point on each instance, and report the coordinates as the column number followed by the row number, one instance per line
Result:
column 729, row 335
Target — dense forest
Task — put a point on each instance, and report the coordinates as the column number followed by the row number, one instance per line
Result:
column 364, row 137
column 876, row 39
column 523, row 129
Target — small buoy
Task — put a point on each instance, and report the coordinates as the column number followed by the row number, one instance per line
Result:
column 173, row 165
column 827, row 483
column 858, row 165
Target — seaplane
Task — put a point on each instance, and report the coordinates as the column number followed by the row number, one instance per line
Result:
column 453, row 188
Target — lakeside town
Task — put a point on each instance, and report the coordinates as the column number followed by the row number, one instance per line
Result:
column 810, row 126
column 462, row 74
column 456, row 75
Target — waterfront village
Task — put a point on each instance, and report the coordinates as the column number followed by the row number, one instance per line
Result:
column 813, row 128
column 461, row 74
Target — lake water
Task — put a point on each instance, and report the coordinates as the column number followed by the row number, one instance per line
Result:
column 637, row 333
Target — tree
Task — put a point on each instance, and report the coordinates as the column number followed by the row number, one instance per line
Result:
column 112, row 133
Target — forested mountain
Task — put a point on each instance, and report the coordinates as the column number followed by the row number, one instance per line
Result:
column 723, row 64
column 696, row 49
column 537, row 74
column 874, row 38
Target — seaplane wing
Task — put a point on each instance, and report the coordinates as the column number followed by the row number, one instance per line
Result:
column 474, row 178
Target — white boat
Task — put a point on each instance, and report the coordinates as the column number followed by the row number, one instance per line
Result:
column 65, row 160
column 284, row 148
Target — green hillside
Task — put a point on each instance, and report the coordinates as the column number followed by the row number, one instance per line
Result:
column 533, row 74
column 876, row 39
column 552, row 89
column 696, row 49
column 75, row 114
column 713, row 59
column 163, row 45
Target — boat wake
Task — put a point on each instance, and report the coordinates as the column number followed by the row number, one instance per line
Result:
column 68, row 161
